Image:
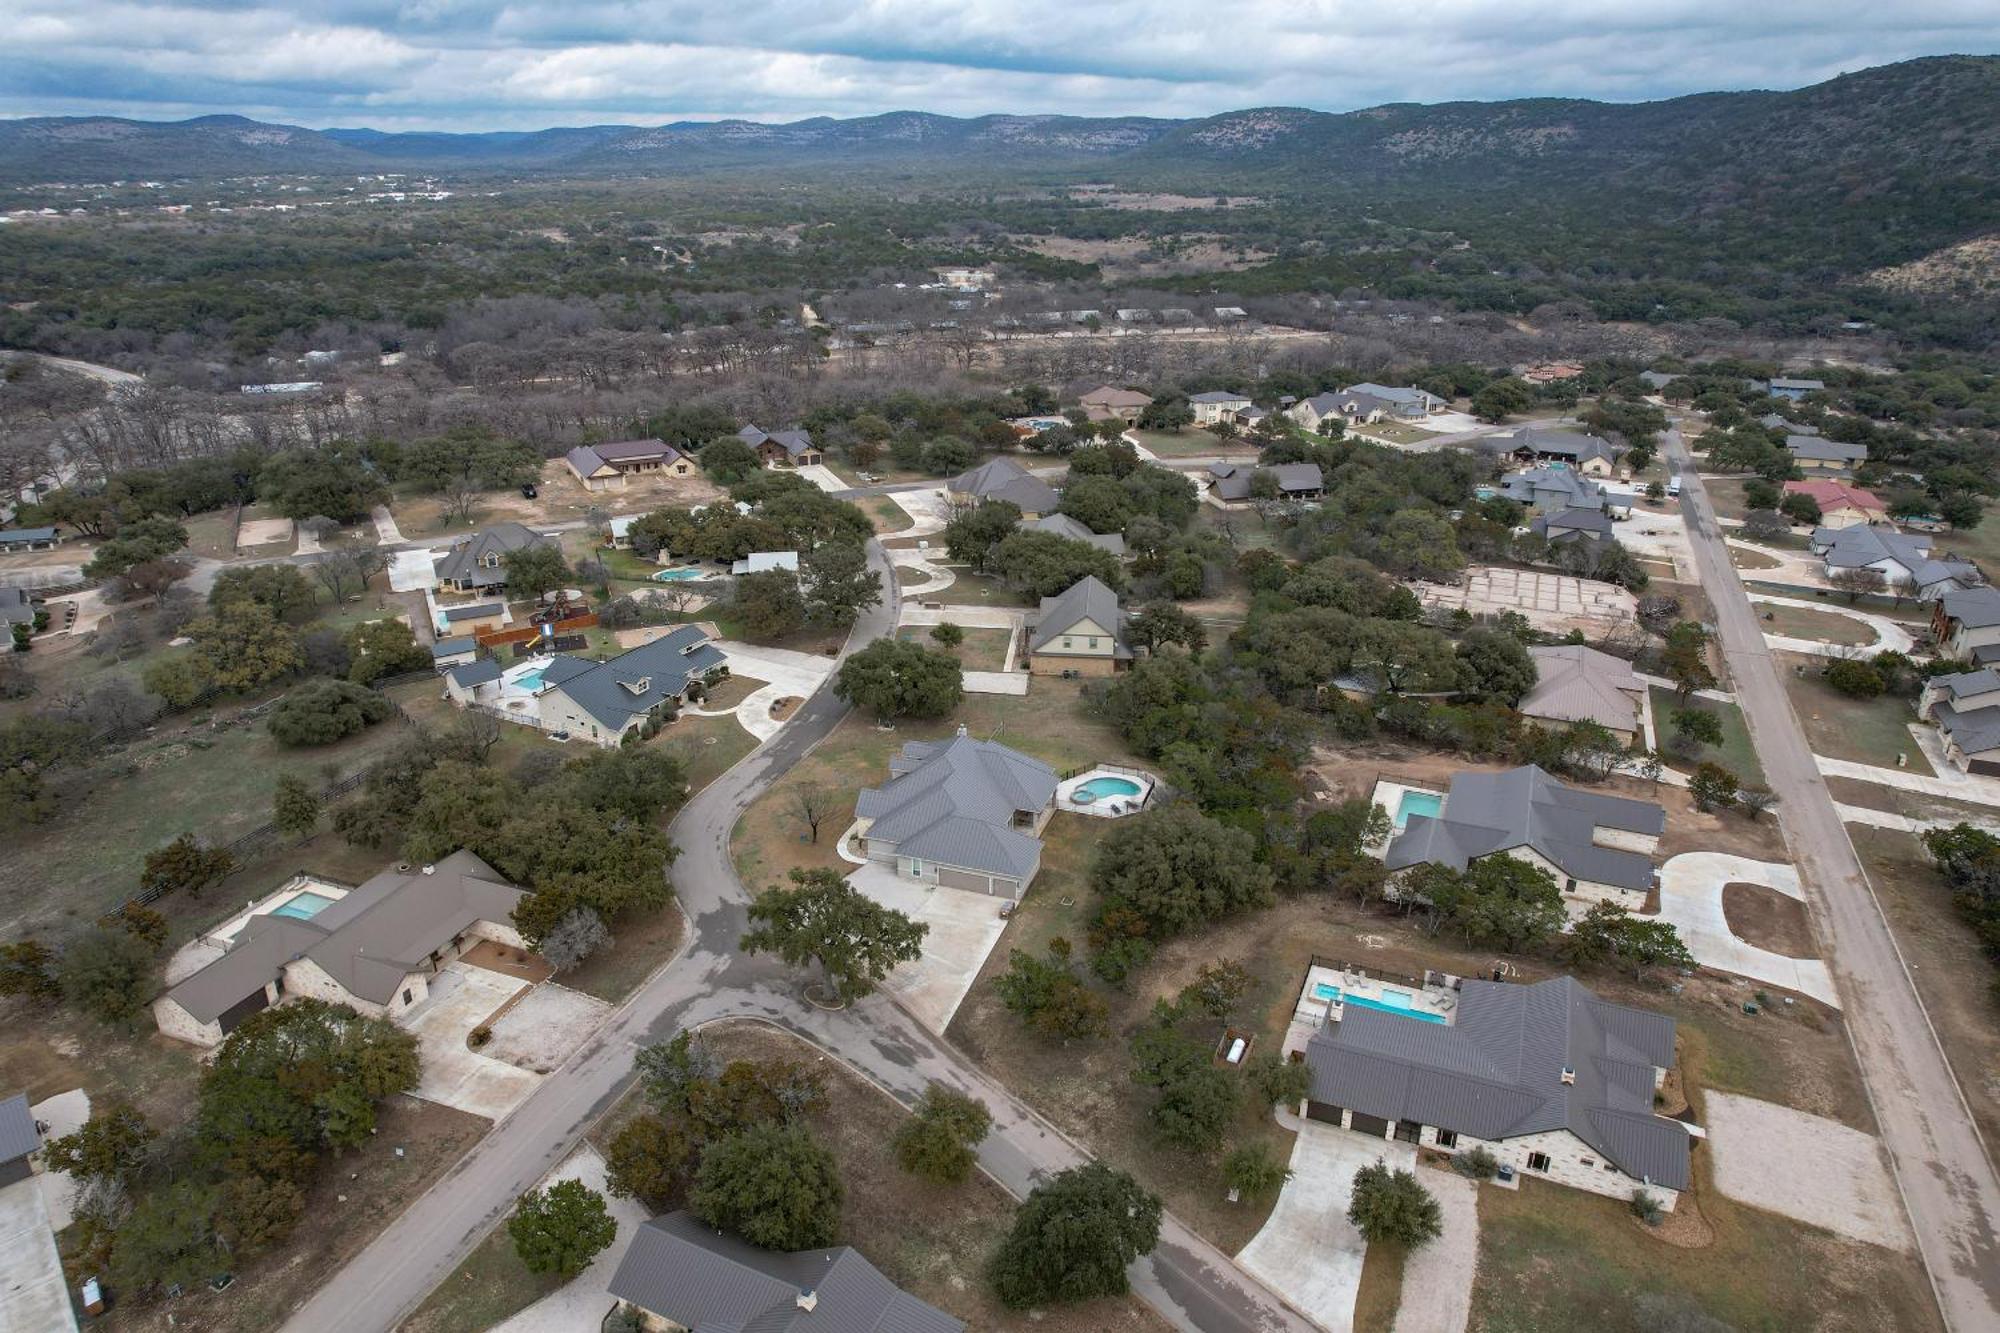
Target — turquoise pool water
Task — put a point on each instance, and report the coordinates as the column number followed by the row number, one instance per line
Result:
column 676, row 575
column 1484, row 492
column 1102, row 789
column 304, row 906
column 531, row 679
column 1417, row 803
column 1392, row 1002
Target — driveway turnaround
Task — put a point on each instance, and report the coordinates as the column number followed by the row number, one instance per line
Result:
column 580, row 1303
column 1437, row 1278
column 1807, row 1167
column 1308, row 1251
column 1889, row 636
column 462, row 998
column 538, row 1032
column 1691, row 899
column 33, row 1295
column 790, row 675
column 964, row 927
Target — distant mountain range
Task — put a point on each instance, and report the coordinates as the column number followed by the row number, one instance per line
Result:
column 1938, row 116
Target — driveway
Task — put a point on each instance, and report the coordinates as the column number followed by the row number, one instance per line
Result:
column 789, row 675
column 1889, row 635
column 64, row 1114
column 822, row 476
column 463, row 997
column 925, row 508
column 386, row 531
column 964, row 927
column 1691, row 898
column 413, row 571
column 581, row 1302
column 33, row 1295
column 1308, row 1252
column 965, row 617
column 1437, row 1278
column 1806, row 1167
column 995, row 682
column 541, row 1030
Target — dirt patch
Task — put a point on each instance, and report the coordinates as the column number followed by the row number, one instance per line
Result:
column 507, row 961
column 1768, row 919
column 785, row 707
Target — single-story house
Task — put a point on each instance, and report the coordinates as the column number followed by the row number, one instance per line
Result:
column 29, row 539
column 1108, row 402
column 1062, row 525
column 1080, row 631
column 462, row 682
column 373, row 948
column 472, row 618
column 1584, row 453
column 604, row 467
column 1552, row 490
column 790, row 447
column 1003, row 479
column 448, row 653
column 1773, row 421
column 1840, row 505
column 961, row 814
column 1578, row 684
column 1548, row 1078
column 1598, row 847
column 479, row 563
column 1903, row 559
column 763, row 562
column 1589, row 526
column 1966, row 708
column 1965, row 624
column 1296, row 481
column 17, row 607
column 680, row 1273
column 602, row 701
column 1408, row 403
column 1217, row 405
column 1794, row 389
column 620, row 529
column 1815, row 454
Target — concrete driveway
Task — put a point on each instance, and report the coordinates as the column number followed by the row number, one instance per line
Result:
column 33, row 1296
column 413, row 571
column 1308, row 1252
column 1889, row 635
column 64, row 1114
column 581, row 1302
column 548, row 1023
column 822, row 476
column 463, row 997
column 925, row 508
column 789, row 675
column 1806, row 1167
column 1437, row 1278
column 964, row 927
column 1691, row 899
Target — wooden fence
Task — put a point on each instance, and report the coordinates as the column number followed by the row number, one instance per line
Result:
column 496, row 638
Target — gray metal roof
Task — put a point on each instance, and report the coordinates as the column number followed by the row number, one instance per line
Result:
column 1231, row 481
column 1861, row 545
column 1573, row 523
column 452, row 647
column 1089, row 598
column 1005, row 479
column 1974, row 608
column 1974, row 731
column 1807, row 385
column 1573, row 445
column 1543, row 484
column 16, row 606
column 18, row 1136
column 679, row 1268
column 1825, row 451
column 635, row 682
column 1219, row 396
column 1773, row 421
column 1524, row 807
column 1579, row 684
column 954, row 802
column 1497, row 1072
column 468, row 674
column 11, row 536
column 1062, row 525
column 462, row 564
column 792, row 440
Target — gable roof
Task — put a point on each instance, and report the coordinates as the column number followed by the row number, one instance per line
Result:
column 1973, row 608
column 679, row 1268
column 1973, row 730
column 1525, row 807
column 1805, row 385
column 1497, row 1071
column 634, row 682
column 1573, row 445
column 954, row 801
column 1062, row 525
column 1818, row 450
column 16, row 606
column 1231, row 481
column 461, row 564
column 453, row 647
column 1579, row 684
column 1005, row 479
column 1110, row 395
column 481, row 671
column 1571, row 524
column 1089, row 598
column 1409, row 396
column 1774, row 421
column 792, row 440
column 1858, row 546
column 13, row 536
column 18, row 1135
column 1219, row 396
column 1577, row 490
column 1830, row 494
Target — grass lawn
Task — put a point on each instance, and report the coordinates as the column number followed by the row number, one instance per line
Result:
column 1381, row 1289
column 1743, row 559
column 887, row 516
column 1192, row 442
column 1391, row 432
column 706, row 746
column 1794, row 622
column 1981, row 545
column 1735, row 753
column 732, row 690
column 213, row 534
column 970, row 589
column 981, row 650
column 1867, row 731
column 490, row 1286
column 1726, row 494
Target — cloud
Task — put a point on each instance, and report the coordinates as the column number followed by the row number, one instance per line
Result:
column 485, row 64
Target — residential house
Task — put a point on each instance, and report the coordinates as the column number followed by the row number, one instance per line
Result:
column 1578, row 684
column 1552, row 490
column 17, row 607
column 620, row 528
column 1590, row 527
column 1772, row 421
column 602, row 701
column 34, row 1297
column 1598, row 847
column 1315, row 412
column 1405, row 404
column 373, row 948
column 763, row 562
column 1003, row 479
column 960, row 814
column 604, row 467
column 1966, row 708
column 1080, row 631
column 20, row 1140
column 1249, row 418
column 449, row 653
column 1841, row 505
column 13, row 540
column 1965, row 624
column 1062, row 525
column 1296, row 481
column 479, row 563
column 790, row 447
column 1813, row 454
column 473, row 618
column 1903, row 559
column 1108, row 402
column 680, row 1273
column 1548, row 1078
column 1794, row 389
column 1588, row 454
column 1217, row 405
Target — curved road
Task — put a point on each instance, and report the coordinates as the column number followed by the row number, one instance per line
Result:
column 1192, row 1284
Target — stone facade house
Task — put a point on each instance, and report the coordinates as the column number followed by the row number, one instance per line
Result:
column 960, row 814
column 479, row 563
column 604, row 467
column 1003, row 479
column 791, row 447
column 1578, row 684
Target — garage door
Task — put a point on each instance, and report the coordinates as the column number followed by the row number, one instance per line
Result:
column 965, row 879
column 1369, row 1124
column 1326, row 1111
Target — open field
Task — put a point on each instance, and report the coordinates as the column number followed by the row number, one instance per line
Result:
column 982, row 649
column 1867, row 731
column 1193, row 442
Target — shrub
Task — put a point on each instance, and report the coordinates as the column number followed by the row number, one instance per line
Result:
column 1647, row 1208
column 320, row 712
column 1476, row 1164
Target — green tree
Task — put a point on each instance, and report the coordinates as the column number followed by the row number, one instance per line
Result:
column 895, row 678
column 1157, row 624
column 1099, row 503
column 1278, row 1081
column 28, row 968
column 1800, row 508
column 294, row 806
column 281, row 588
column 838, row 585
column 651, row 1159
column 855, row 941
column 1392, row 1207
column 1697, row 726
column 185, row 865
column 1178, row 868
column 1404, row 656
column 112, row 1145
column 728, row 461
column 947, row 635
column 108, row 974
column 143, row 924
column 379, row 648
column 670, row 1071
column 1713, row 787
column 1073, row 1238
column 304, row 1076
column 1253, row 1171
column 336, row 482
column 1497, row 901
column 243, row 645
column 1856, row 680
column 168, row 1239
column 1502, row 398
column 1608, row 933
column 768, row 605
column 1195, row 1101
column 938, row 1142
column 972, row 535
column 534, row 569
column 1684, row 660
column 142, row 541
column 1047, row 995
column 179, row 680
column 1497, row 666
column 559, row 1230
column 320, row 712
column 1043, row 564
column 774, row 1185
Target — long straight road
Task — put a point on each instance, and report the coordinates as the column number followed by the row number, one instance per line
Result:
column 1196, row 1287
column 1941, row 1164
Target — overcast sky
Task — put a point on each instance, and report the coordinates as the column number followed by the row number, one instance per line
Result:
column 477, row 64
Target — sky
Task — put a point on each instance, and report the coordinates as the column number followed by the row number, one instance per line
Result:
column 481, row 65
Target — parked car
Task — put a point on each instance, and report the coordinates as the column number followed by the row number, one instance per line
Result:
column 528, row 491
column 559, row 737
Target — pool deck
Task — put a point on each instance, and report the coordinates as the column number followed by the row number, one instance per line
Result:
column 1389, row 795
column 211, row 944
column 1314, row 1012
column 1106, row 807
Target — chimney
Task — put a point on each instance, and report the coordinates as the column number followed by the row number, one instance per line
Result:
column 1568, row 1076
column 808, row 1300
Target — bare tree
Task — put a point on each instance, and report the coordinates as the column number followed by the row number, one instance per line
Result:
column 478, row 732
column 1855, row 582
column 575, row 938
column 461, row 500
column 812, row 804
column 345, row 574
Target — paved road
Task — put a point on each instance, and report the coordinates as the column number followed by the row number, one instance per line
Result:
column 1946, row 1178
column 1195, row 1286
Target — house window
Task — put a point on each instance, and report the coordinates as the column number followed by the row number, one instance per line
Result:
column 1093, row 641
column 1538, row 1161
column 406, row 995
column 1570, row 886
column 1447, row 1139
column 1408, row 1131
column 1590, row 1161
column 1066, row 642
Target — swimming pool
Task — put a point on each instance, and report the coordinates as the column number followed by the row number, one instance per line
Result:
column 303, row 906
column 531, row 679
column 1417, row 803
column 1392, row 1002
column 1104, row 789
column 679, row 575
